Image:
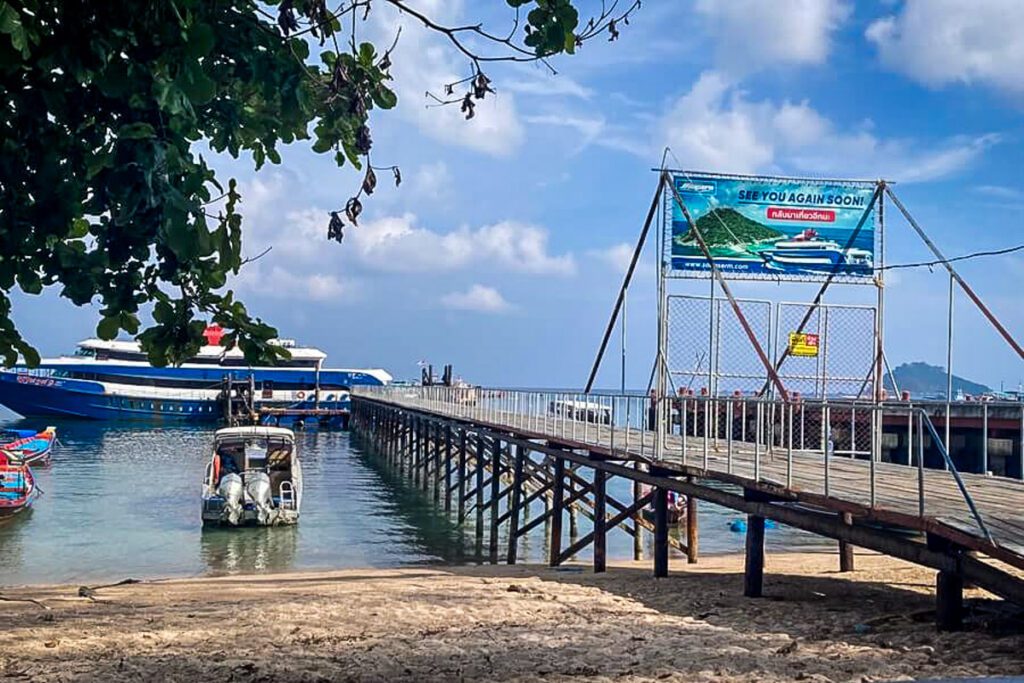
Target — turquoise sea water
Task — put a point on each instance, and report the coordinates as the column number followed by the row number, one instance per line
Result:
column 122, row 500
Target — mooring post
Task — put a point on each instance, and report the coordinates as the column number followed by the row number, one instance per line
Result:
column 514, row 505
column 557, row 504
column 845, row 549
column 692, row 529
column 447, row 467
column 462, row 475
column 479, row 463
column 753, row 574
column 495, row 494
column 600, row 521
column 660, row 532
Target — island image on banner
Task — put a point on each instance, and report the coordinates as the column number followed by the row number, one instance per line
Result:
column 773, row 227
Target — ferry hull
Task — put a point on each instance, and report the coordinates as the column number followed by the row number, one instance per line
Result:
column 33, row 396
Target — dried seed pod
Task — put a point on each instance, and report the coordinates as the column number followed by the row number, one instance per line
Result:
column 468, row 106
column 352, row 210
column 370, row 180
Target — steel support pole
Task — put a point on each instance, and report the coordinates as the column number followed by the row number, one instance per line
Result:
column 619, row 302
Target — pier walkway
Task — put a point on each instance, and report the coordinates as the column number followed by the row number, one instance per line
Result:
column 816, row 467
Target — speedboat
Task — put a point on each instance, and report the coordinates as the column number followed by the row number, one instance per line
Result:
column 253, row 478
column 28, row 446
column 18, row 488
column 114, row 380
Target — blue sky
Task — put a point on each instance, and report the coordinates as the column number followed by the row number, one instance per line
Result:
column 505, row 245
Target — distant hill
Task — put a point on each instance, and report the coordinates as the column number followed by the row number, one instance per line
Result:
column 922, row 379
column 728, row 226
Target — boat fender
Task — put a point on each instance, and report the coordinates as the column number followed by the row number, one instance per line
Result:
column 216, row 469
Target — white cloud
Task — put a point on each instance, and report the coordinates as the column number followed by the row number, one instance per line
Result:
column 1000, row 192
column 398, row 244
column 423, row 61
column 616, row 256
column 548, row 85
column 432, row 181
column 938, row 42
column 589, row 128
column 753, row 34
column 477, row 298
column 295, row 266
column 713, row 126
column 292, row 283
column 717, row 127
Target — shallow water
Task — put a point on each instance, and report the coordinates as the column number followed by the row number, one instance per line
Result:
column 122, row 500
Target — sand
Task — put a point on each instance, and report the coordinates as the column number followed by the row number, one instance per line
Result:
column 509, row 623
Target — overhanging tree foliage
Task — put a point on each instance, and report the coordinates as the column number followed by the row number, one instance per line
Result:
column 107, row 107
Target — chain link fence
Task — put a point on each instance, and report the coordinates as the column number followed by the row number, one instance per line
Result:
column 709, row 351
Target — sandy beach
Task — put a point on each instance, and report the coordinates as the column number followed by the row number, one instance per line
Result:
column 511, row 623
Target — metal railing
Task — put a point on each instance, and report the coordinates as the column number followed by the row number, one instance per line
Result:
column 803, row 445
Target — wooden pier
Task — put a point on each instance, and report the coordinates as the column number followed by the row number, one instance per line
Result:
column 504, row 452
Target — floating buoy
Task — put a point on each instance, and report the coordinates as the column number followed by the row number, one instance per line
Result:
column 740, row 525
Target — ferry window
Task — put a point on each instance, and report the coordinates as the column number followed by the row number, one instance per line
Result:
column 85, row 353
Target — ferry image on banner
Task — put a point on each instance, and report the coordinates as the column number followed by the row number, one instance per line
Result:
column 808, row 250
column 114, row 380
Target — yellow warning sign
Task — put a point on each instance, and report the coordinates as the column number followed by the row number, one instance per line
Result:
column 801, row 344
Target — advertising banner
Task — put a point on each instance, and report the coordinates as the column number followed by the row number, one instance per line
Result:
column 773, row 228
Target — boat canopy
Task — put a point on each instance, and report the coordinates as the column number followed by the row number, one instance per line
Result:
column 253, row 432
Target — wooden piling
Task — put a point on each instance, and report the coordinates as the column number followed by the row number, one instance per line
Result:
column 514, row 505
column 660, row 532
column 557, row 500
column 949, row 601
column 438, row 443
column 638, row 541
column 692, row 529
column 495, row 496
column 845, row 549
column 447, row 467
column 478, row 461
column 753, row 572
column 600, row 522
column 462, row 476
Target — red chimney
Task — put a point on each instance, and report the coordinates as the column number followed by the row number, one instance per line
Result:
column 213, row 334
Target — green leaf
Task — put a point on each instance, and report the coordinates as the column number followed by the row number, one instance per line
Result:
column 30, row 355
column 195, row 84
column 322, row 145
column 136, row 131
column 200, row 40
column 10, row 23
column 384, row 97
column 107, row 328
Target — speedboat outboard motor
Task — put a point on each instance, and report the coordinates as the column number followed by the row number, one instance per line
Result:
column 230, row 489
column 257, row 485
